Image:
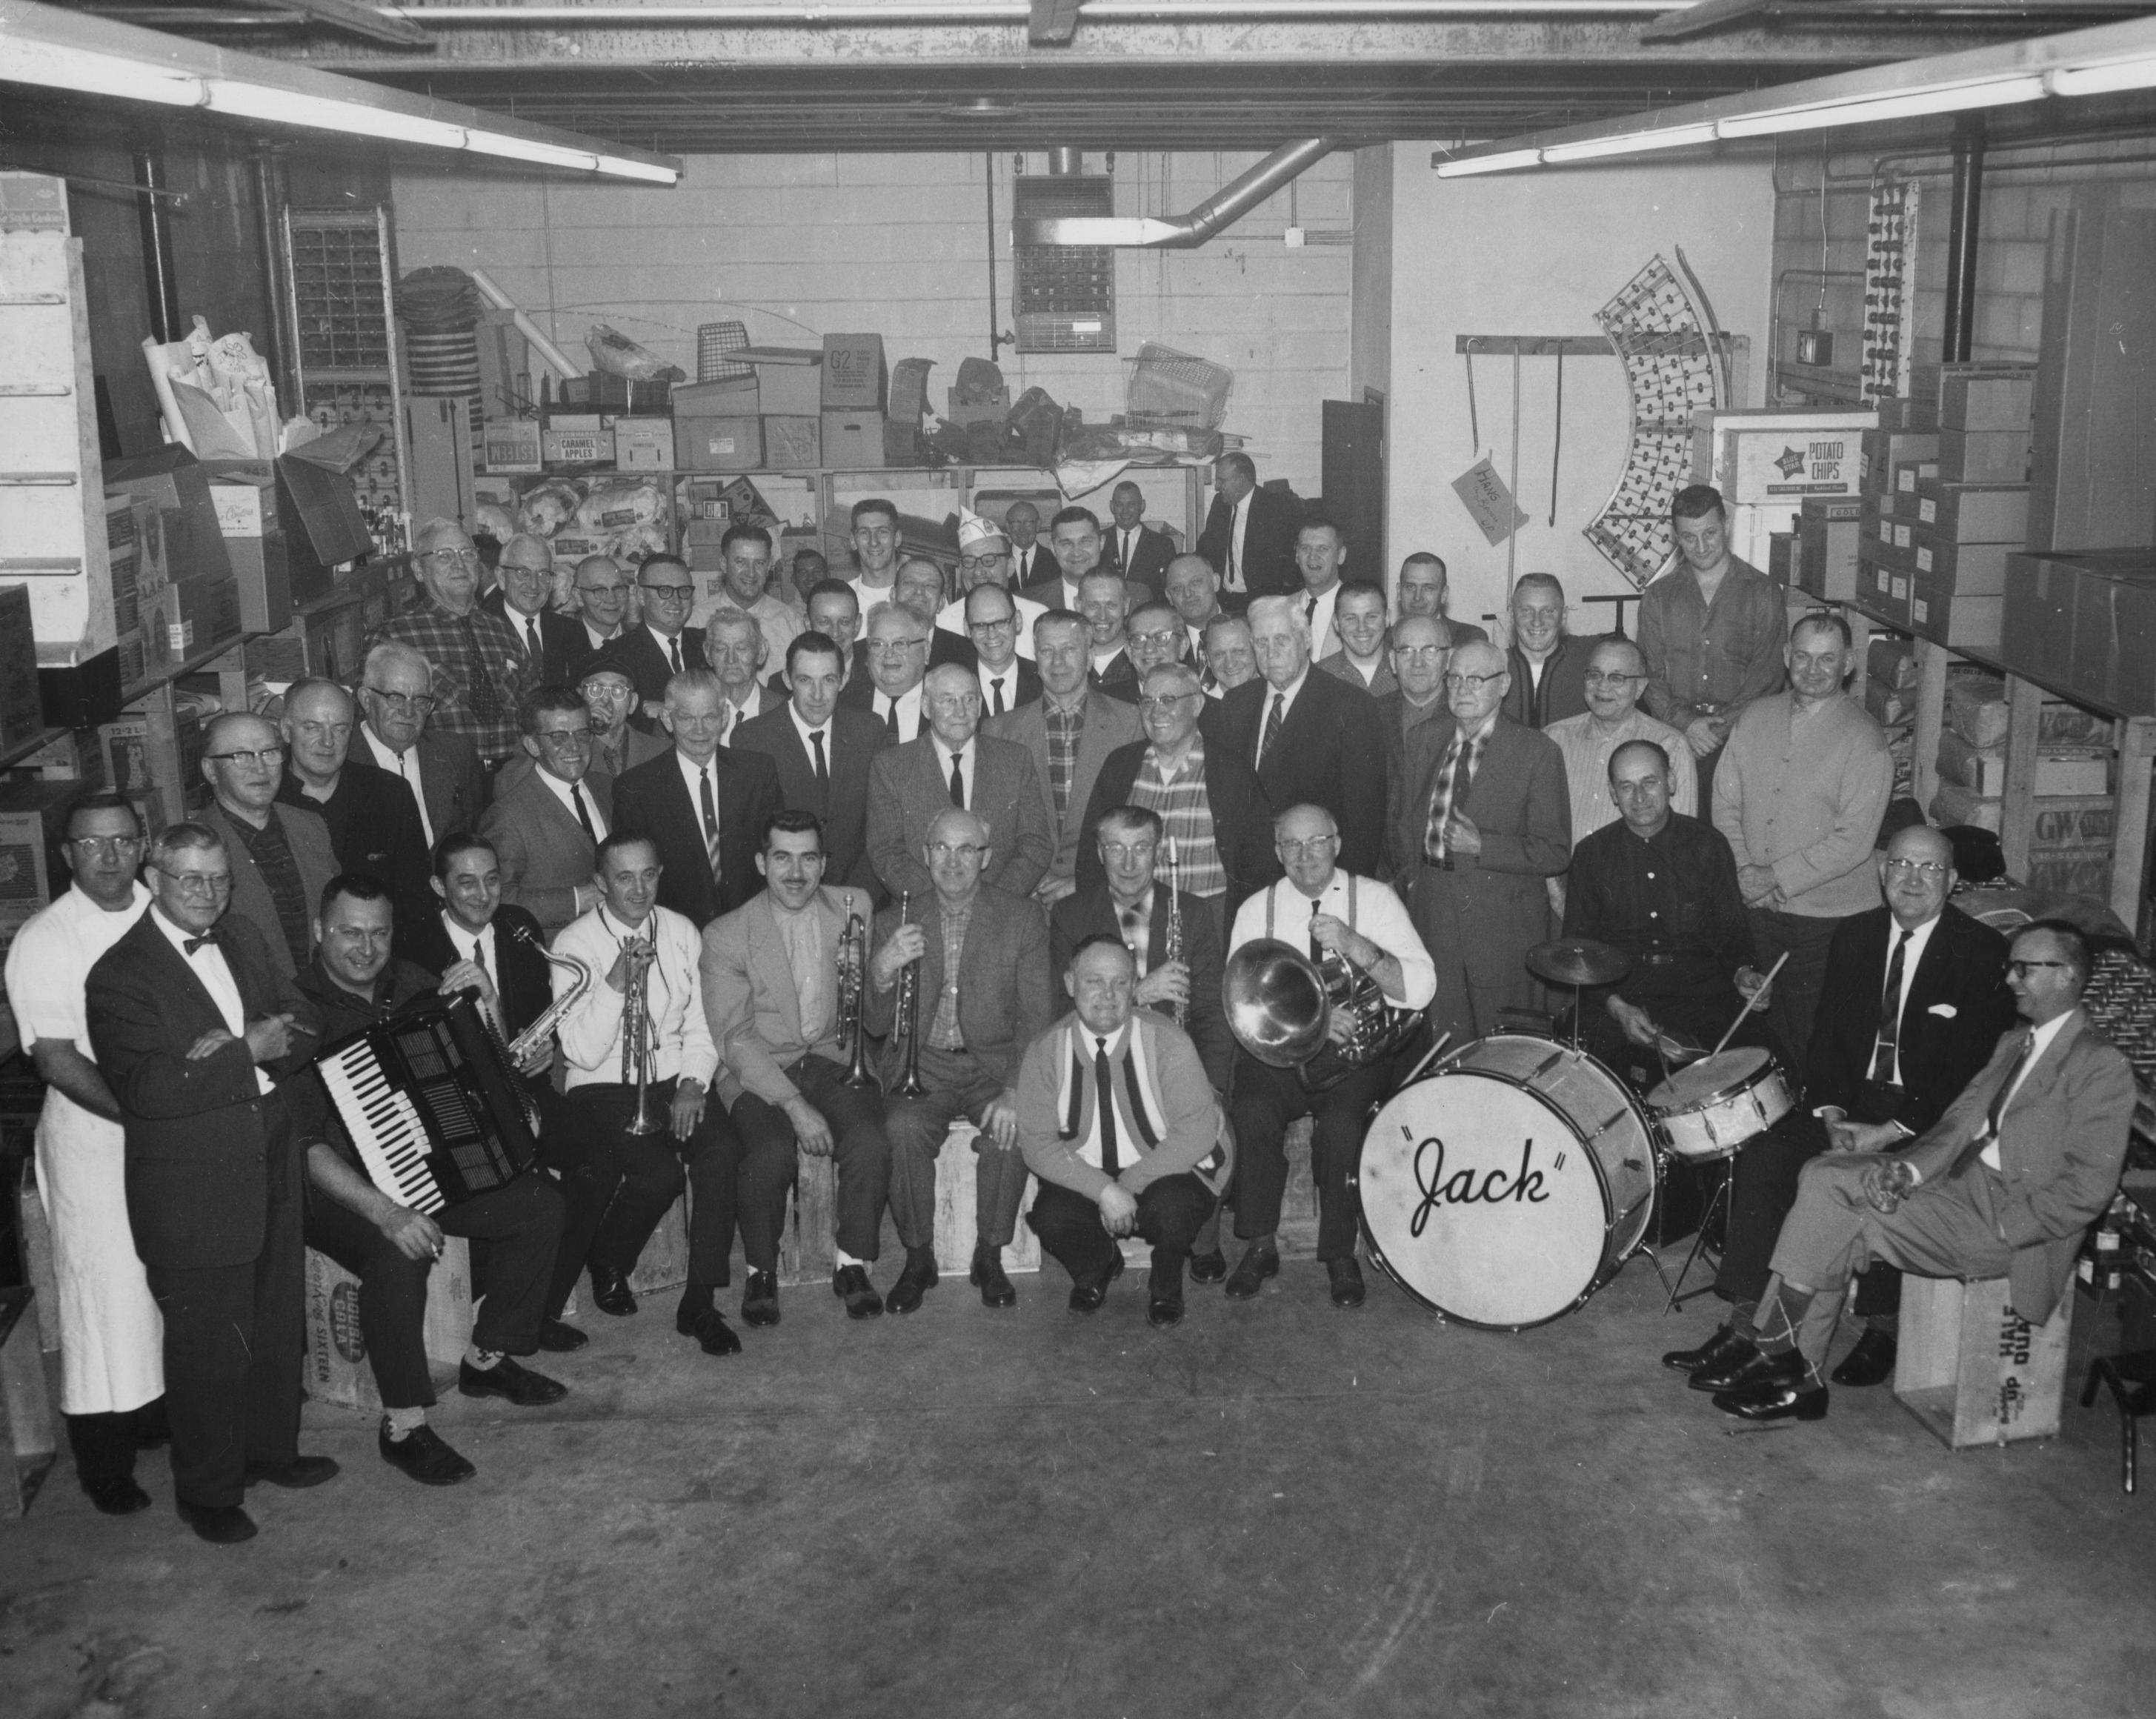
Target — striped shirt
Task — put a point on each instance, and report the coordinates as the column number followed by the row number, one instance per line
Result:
column 1186, row 816
column 1587, row 755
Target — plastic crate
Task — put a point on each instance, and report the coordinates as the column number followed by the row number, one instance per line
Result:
column 1172, row 390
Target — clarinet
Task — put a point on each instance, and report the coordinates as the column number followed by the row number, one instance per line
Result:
column 1177, row 1012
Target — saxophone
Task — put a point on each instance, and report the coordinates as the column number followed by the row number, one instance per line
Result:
column 542, row 1028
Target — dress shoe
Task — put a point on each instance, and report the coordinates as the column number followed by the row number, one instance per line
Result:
column 558, row 1338
column 1716, row 1352
column 1087, row 1295
column 220, row 1524
column 117, row 1495
column 423, row 1454
column 515, row 1385
column 710, row 1330
column 1870, row 1362
column 1784, row 1401
column 988, row 1278
column 1164, row 1295
column 915, row 1281
column 611, row 1293
column 760, row 1298
column 1751, row 1371
column 296, row 1475
column 1347, row 1277
column 850, row 1284
column 1209, row 1268
column 1258, row 1263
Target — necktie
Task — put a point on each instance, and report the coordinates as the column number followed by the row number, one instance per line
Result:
column 1103, row 1095
column 1273, row 721
column 209, row 937
column 1975, row 1150
column 532, row 647
column 711, row 820
column 957, row 780
column 479, row 954
column 891, row 720
column 583, row 812
column 1309, row 617
column 674, row 650
column 1126, row 553
column 997, row 686
column 823, row 764
column 1890, row 1015
column 486, row 702
column 1234, row 562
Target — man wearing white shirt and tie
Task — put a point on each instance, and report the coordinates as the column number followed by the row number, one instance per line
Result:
column 547, row 826
column 984, row 558
column 1140, row 556
column 396, row 696
column 994, row 620
column 1319, row 554
column 898, row 657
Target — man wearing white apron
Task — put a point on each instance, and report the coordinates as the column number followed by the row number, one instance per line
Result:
column 112, row 1375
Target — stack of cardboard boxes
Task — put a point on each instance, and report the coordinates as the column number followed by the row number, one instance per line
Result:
column 1771, row 466
column 2075, row 814
column 803, row 410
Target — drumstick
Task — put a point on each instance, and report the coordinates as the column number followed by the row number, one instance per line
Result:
column 1443, row 1039
column 1751, row 1003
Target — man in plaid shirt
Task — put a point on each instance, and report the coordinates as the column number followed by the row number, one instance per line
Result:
column 477, row 679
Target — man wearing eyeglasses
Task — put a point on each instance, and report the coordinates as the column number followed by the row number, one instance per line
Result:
column 602, row 593
column 1616, row 676
column 477, row 663
column 1153, row 636
column 441, row 769
column 984, row 559
column 1920, row 998
column 662, row 644
column 1484, row 821
column 281, row 855
column 550, row 643
column 546, row 829
column 1339, row 918
column 1008, row 679
column 2004, row 1184
column 112, row 1371
column 1358, row 618
column 954, row 764
column 744, row 558
column 980, row 955
column 189, row 1016
column 1548, row 666
column 897, row 647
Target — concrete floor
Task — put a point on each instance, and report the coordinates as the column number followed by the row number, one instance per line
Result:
column 1277, row 1509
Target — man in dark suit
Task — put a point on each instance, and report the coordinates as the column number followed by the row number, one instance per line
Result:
column 703, row 805
column 918, row 588
column 553, row 646
column 1074, row 534
column 441, row 769
column 822, row 755
column 983, row 993
column 547, row 829
column 1485, row 820
column 835, row 612
column 1920, row 998
column 1007, row 680
column 1210, row 801
column 663, row 644
column 373, row 822
column 897, row 645
column 1032, row 562
column 1132, row 905
column 1250, row 535
column 954, row 764
column 2004, row 1185
column 281, row 855
column 1313, row 739
column 186, row 1012
column 1548, row 665
column 1140, row 556
column 1418, row 654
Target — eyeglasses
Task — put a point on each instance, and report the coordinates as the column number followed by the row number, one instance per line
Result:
column 418, row 703
column 1119, row 851
column 955, row 701
column 104, row 847
column 892, row 646
column 1314, row 847
column 1009, row 624
column 1926, row 870
column 1167, row 700
column 2022, row 969
column 198, row 883
column 1461, row 683
column 671, row 593
column 619, row 588
column 568, row 738
column 510, row 569
column 1595, row 677
column 1416, row 652
column 470, row 557
column 957, row 850
column 1166, row 639
column 975, row 563
column 269, row 757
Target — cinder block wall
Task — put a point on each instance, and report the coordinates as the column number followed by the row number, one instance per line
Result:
column 1815, row 232
column 800, row 246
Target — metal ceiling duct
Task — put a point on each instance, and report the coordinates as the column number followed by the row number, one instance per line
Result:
column 1226, row 205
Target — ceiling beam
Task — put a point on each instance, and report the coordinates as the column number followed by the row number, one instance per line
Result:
column 370, row 22
column 1706, row 18
column 1053, row 23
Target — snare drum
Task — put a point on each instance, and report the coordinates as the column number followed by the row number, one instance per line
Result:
column 1505, row 1189
column 1711, row 1109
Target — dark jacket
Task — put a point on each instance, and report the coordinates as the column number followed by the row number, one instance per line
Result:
column 1331, row 752
column 374, row 827
column 565, row 644
column 308, row 837
column 653, row 800
column 522, row 978
column 1242, row 818
column 852, row 739
column 449, row 776
column 650, row 668
column 1563, row 690
column 1269, row 535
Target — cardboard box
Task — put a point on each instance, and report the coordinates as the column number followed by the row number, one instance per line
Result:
column 25, row 872
column 1919, row 413
column 1973, row 569
column 323, row 526
column 2037, row 634
column 1910, row 474
column 576, row 439
column 718, row 444
column 852, row 441
column 33, row 203
column 854, row 378
column 644, row 443
column 2112, row 657
column 1975, row 513
column 513, row 444
column 337, row 1369
column 1885, row 448
column 21, row 712
column 73, row 755
column 789, row 380
column 1945, row 615
column 177, row 485
column 1780, row 456
column 1984, row 456
column 1781, row 558
column 186, row 619
column 245, row 500
column 262, row 568
column 1987, row 395
column 793, row 443
column 1983, row 771
column 1828, row 531
column 731, row 396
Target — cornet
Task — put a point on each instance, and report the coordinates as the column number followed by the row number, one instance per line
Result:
column 639, row 1037
column 853, row 968
column 910, row 1084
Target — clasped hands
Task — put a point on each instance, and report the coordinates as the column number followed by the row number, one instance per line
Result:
column 268, row 1038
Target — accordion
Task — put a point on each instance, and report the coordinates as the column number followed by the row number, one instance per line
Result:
column 433, row 1103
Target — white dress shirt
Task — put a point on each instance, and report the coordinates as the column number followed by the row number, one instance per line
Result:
column 1234, row 576
column 667, row 646
column 805, row 730
column 560, row 790
column 207, row 963
column 951, row 618
column 1288, row 695
column 693, row 777
column 1919, row 939
column 910, row 724
column 2039, row 1041
column 591, row 1032
column 405, row 764
column 966, row 761
column 1323, row 641
column 759, row 700
column 480, row 946
column 1378, row 916
column 598, row 637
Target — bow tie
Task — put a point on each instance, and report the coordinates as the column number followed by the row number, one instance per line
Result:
column 192, row 944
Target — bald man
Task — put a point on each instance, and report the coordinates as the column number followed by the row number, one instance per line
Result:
column 280, row 854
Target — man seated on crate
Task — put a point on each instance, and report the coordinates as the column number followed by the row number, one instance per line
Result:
column 779, row 974
column 2002, row 1185
column 356, row 982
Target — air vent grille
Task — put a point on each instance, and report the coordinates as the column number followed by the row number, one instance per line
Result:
column 1064, row 297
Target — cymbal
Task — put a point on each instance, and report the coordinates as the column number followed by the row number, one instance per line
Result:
column 1578, row 961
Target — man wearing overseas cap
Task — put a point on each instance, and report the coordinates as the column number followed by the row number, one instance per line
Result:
column 984, row 558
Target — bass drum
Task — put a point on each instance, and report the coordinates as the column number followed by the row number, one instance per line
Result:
column 1503, row 1191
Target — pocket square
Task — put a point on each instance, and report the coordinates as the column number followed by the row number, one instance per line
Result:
column 1945, row 1011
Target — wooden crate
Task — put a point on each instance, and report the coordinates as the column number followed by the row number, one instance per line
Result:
column 38, row 1257
column 664, row 1264
column 808, row 1245
column 337, row 1370
column 27, row 1427
column 957, row 1222
column 1973, row 1370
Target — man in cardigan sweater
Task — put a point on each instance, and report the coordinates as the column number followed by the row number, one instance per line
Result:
column 1799, row 792
column 1125, row 1135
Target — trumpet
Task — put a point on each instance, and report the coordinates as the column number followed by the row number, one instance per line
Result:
column 1177, row 1012
column 852, row 967
column 910, row 1084
column 637, row 1034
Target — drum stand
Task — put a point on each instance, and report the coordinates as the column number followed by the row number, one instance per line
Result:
column 1715, row 1202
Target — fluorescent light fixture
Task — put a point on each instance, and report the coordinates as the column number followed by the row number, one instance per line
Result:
column 620, row 168
column 1491, row 163
column 1991, row 92
column 289, row 107
column 1629, row 143
column 90, row 73
column 526, row 149
column 2101, row 80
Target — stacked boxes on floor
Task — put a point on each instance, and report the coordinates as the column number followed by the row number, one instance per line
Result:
column 1770, row 465
column 1901, row 453
column 1890, row 693
column 2070, row 842
column 1973, row 513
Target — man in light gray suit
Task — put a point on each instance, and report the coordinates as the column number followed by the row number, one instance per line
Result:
column 281, row 855
column 1069, row 731
column 952, row 765
column 546, row 829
